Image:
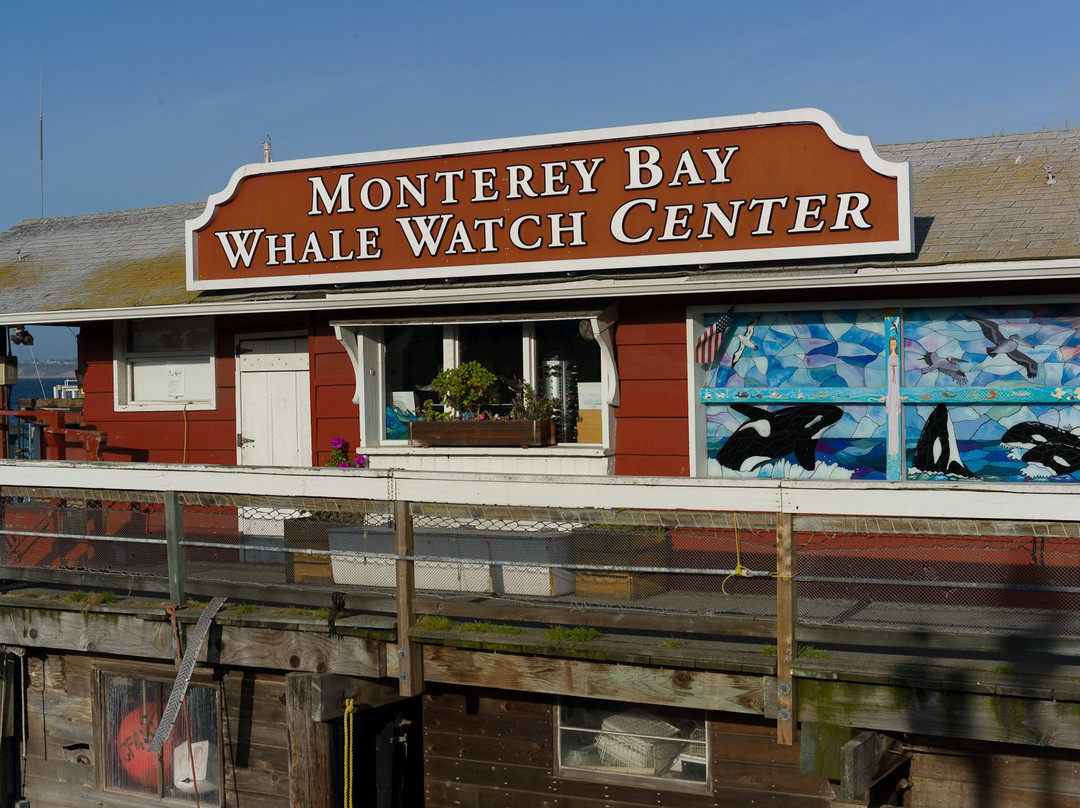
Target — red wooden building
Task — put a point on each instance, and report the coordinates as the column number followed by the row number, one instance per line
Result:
column 904, row 314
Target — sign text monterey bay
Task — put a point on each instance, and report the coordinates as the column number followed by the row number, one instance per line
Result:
column 664, row 195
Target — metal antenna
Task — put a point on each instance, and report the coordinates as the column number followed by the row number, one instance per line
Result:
column 266, row 149
column 41, row 125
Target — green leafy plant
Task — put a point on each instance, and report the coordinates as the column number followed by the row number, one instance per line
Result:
column 530, row 406
column 465, row 390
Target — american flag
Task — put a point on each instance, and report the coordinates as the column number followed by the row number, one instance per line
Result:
column 709, row 341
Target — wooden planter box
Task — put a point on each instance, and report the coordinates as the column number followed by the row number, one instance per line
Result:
column 310, row 534
column 482, row 433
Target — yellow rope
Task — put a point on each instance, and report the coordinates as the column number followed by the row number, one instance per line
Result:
column 348, row 768
column 739, row 570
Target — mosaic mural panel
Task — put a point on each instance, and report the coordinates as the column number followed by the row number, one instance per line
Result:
column 965, row 346
column 988, row 393
column 802, row 349
column 797, row 441
column 1003, row 443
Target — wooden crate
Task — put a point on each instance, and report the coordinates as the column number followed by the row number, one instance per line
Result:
column 307, row 567
column 619, row 585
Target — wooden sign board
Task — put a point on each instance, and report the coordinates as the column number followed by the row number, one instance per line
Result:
column 766, row 187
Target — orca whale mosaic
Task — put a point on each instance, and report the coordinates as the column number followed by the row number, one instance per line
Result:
column 766, row 435
column 944, row 393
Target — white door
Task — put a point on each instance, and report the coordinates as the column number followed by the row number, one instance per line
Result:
column 273, row 428
column 273, row 402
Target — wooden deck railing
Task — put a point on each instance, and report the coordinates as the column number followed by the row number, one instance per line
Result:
column 880, row 511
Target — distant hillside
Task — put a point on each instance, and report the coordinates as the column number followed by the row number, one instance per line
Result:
column 46, row 368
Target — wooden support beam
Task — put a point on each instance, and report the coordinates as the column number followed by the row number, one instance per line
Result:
column 151, row 637
column 329, row 691
column 703, row 690
column 864, row 760
column 310, row 747
column 410, row 658
column 786, row 618
column 948, row 714
column 174, row 535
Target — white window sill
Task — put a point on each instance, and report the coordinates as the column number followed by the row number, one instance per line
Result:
column 560, row 450
column 165, row 406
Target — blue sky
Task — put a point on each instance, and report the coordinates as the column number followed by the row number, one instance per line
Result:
column 149, row 103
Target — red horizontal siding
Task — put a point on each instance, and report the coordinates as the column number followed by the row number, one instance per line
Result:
column 644, row 398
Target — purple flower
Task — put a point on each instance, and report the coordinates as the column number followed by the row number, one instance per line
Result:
column 361, row 461
column 344, row 464
column 337, row 443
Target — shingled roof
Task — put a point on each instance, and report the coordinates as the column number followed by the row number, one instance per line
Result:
column 977, row 200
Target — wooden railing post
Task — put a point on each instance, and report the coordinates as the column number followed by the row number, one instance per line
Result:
column 786, row 618
column 174, row 535
column 410, row 658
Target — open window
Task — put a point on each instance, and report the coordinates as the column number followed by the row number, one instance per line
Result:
column 616, row 739
column 164, row 364
column 188, row 768
column 566, row 356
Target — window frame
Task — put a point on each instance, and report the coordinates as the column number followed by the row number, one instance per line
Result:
column 560, row 769
column 365, row 344
column 157, row 674
column 125, row 361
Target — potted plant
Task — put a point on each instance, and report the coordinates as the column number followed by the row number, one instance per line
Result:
column 465, row 392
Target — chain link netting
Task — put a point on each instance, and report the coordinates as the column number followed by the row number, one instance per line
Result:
column 982, row 576
column 85, row 535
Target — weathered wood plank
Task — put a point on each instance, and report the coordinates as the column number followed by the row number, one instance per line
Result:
column 927, row 791
column 268, row 787
column 567, row 677
column 1038, row 771
column 310, row 747
column 300, row 651
column 865, row 759
column 972, row 716
column 122, row 635
column 487, row 702
column 601, row 618
column 511, row 749
column 769, row 779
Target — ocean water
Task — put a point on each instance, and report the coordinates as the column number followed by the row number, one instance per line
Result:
column 32, row 388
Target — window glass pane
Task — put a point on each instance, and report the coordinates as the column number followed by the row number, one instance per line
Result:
column 616, row 738
column 801, row 349
column 498, row 347
column 569, row 375
column 817, row 440
column 133, row 707
column 414, row 356
column 174, row 379
column 186, row 334
column 1013, row 442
